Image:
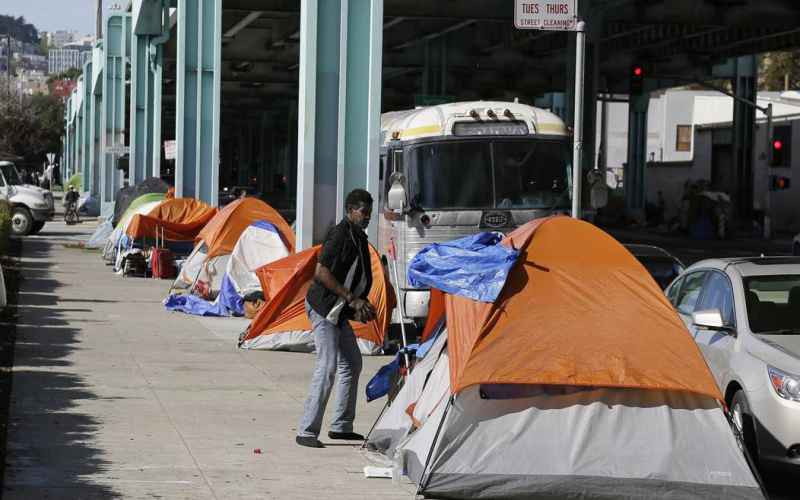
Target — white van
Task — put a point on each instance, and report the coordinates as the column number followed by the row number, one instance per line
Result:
column 457, row 169
column 31, row 206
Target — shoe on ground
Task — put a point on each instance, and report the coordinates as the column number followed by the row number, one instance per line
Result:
column 346, row 436
column 308, row 441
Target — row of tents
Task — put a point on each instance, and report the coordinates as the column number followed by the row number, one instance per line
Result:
column 246, row 249
column 576, row 379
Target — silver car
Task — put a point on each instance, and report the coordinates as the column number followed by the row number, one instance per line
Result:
column 744, row 315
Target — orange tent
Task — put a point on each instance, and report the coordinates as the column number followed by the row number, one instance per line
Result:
column 577, row 309
column 180, row 219
column 285, row 283
column 222, row 232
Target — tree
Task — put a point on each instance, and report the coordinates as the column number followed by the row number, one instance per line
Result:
column 779, row 68
column 31, row 126
column 69, row 74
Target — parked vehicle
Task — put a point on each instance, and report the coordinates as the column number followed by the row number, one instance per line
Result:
column 744, row 315
column 662, row 266
column 31, row 206
column 453, row 170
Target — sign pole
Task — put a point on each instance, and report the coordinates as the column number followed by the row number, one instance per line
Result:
column 577, row 172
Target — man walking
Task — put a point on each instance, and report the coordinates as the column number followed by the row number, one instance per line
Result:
column 338, row 294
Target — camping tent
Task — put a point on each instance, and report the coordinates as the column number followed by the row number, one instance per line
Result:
column 580, row 380
column 125, row 196
column 142, row 205
column 258, row 245
column 209, row 259
column 176, row 219
column 282, row 323
column 100, row 235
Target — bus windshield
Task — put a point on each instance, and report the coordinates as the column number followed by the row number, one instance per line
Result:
column 498, row 173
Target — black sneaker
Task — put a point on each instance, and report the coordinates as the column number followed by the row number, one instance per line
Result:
column 308, row 441
column 347, row 436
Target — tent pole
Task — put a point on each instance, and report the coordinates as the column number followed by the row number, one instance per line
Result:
column 423, row 480
column 366, row 438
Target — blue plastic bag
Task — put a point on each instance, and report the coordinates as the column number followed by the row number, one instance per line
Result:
column 475, row 266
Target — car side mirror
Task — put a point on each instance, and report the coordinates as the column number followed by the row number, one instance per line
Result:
column 710, row 319
column 396, row 200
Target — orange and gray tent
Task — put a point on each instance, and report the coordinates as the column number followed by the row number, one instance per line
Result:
column 282, row 323
column 209, row 259
column 580, row 381
column 175, row 219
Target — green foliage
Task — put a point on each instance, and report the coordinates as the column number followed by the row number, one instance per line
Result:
column 19, row 29
column 5, row 226
column 776, row 68
column 70, row 74
column 75, row 180
column 31, row 127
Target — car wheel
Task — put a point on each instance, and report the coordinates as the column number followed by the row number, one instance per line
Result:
column 21, row 221
column 743, row 424
column 37, row 226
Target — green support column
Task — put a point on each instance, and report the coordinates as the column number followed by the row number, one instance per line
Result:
column 198, row 100
column 96, row 107
column 86, row 131
column 78, row 123
column 634, row 173
column 360, row 101
column 116, row 46
column 338, row 109
column 150, row 23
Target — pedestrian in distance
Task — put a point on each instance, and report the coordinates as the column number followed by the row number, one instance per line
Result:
column 338, row 293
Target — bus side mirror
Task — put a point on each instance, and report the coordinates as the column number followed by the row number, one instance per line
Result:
column 396, row 200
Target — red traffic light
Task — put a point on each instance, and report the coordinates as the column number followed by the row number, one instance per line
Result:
column 638, row 71
column 777, row 144
column 780, row 183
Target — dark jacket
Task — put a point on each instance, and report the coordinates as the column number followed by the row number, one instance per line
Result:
column 345, row 252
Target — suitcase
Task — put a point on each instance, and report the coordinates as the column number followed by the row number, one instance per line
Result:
column 163, row 263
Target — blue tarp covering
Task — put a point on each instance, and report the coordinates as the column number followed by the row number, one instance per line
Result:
column 228, row 302
column 475, row 266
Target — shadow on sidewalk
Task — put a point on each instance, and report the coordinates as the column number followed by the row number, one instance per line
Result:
column 49, row 440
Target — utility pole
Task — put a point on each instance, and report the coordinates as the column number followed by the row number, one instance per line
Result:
column 99, row 19
column 8, row 62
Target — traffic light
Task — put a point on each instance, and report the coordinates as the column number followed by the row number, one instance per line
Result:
column 637, row 78
column 779, row 183
column 780, row 146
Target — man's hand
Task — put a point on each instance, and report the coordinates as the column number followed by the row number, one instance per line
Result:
column 364, row 311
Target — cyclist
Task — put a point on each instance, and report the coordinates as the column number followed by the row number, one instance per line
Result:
column 71, row 203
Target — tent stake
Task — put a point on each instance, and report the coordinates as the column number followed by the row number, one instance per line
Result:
column 366, row 438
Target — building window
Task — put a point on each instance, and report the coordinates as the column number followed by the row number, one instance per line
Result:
column 683, row 138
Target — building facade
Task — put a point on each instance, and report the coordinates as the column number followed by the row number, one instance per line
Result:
column 60, row 60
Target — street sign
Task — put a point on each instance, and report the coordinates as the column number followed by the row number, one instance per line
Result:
column 553, row 15
column 170, row 150
column 117, row 149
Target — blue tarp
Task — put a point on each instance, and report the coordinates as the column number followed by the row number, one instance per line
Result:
column 228, row 302
column 475, row 266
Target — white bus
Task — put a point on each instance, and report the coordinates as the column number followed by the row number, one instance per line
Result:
column 457, row 169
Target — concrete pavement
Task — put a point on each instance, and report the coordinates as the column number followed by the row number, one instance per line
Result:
column 113, row 397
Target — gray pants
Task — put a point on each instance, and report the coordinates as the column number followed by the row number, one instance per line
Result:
column 337, row 353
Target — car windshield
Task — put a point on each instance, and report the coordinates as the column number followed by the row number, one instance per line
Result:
column 11, row 175
column 773, row 304
column 499, row 173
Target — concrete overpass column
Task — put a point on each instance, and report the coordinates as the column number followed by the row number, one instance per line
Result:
column 634, row 172
column 338, row 109
column 318, row 118
column 96, row 107
column 198, row 100
column 116, row 47
column 360, row 101
column 745, row 84
column 88, row 119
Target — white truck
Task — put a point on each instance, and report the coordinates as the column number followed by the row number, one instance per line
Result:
column 31, row 206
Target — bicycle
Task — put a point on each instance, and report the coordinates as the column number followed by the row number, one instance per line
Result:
column 71, row 214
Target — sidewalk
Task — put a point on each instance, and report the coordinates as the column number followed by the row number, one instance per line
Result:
column 113, row 397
